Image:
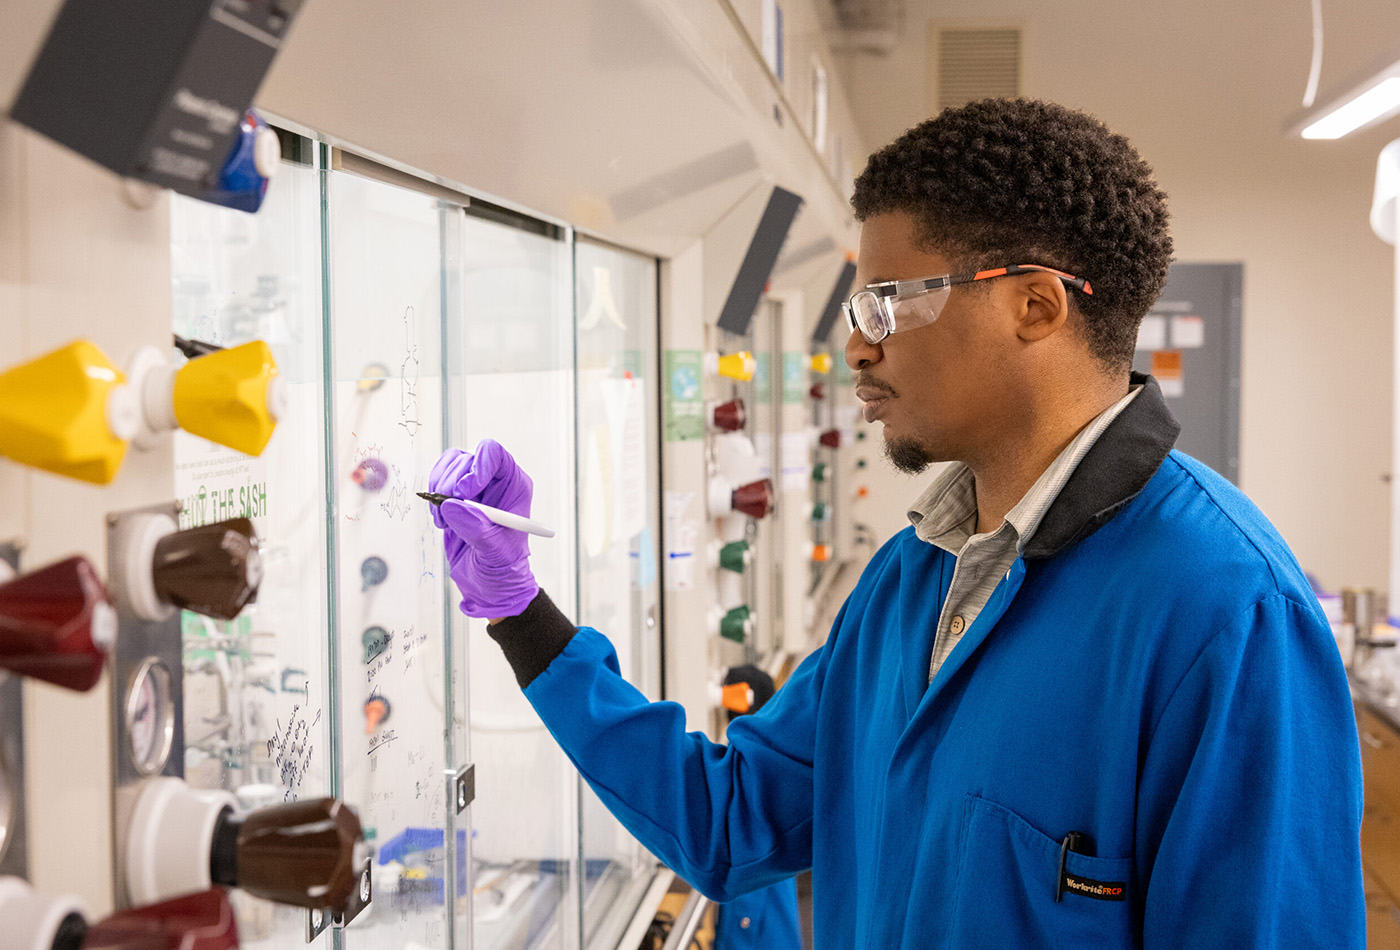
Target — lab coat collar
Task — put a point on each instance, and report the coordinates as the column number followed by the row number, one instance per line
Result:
column 1115, row 470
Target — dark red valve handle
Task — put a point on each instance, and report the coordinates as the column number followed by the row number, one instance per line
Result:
column 302, row 853
column 200, row 921
column 56, row 624
column 730, row 416
column 831, row 438
column 818, row 391
column 214, row 569
column 754, row 499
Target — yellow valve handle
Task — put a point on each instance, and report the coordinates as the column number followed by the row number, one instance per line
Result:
column 740, row 366
column 228, row 397
column 54, row 414
column 820, row 362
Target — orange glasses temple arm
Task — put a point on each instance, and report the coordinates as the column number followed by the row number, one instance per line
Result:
column 1079, row 282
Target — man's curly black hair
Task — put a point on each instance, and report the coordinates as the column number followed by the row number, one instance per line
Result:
column 1019, row 181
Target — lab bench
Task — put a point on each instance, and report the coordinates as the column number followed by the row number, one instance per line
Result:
column 1378, row 724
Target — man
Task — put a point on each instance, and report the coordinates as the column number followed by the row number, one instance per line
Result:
column 1086, row 700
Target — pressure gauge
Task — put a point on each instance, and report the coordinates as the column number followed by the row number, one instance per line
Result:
column 150, row 717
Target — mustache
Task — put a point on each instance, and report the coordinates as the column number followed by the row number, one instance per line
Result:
column 864, row 380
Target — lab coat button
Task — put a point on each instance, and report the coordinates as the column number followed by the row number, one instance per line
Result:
column 957, row 624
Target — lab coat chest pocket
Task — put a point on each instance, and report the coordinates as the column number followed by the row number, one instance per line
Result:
column 1006, row 889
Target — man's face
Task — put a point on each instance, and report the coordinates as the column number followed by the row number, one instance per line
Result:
column 939, row 390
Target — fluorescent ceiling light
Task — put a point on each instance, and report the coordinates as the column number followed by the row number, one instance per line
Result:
column 1379, row 102
column 1371, row 96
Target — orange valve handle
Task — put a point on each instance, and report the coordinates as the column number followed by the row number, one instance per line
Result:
column 737, row 697
column 376, row 711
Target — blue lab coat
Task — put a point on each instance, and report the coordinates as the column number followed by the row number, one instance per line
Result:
column 1153, row 672
column 765, row 919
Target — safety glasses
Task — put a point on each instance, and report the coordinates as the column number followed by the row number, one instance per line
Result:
column 880, row 309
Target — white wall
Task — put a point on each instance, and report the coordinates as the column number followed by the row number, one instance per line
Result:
column 1204, row 89
column 76, row 260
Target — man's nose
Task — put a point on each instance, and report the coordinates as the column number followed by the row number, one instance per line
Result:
column 860, row 354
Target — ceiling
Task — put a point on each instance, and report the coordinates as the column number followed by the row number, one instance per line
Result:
column 1193, row 82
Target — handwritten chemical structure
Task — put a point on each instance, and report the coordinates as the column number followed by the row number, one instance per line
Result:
column 395, row 503
column 408, row 376
column 428, row 561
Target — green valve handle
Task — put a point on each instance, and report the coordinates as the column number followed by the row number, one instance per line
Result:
column 735, row 556
column 819, row 511
column 819, row 472
column 736, row 624
column 861, row 463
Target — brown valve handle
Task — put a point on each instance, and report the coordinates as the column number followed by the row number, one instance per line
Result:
column 302, row 853
column 214, row 569
column 56, row 624
column 200, row 921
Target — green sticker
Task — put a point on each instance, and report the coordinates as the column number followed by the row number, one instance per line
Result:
column 794, row 377
column 843, row 372
column 762, row 378
column 682, row 405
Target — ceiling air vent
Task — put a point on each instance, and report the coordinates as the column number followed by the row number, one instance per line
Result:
column 975, row 64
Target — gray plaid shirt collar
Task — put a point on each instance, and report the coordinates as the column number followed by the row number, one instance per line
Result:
column 945, row 515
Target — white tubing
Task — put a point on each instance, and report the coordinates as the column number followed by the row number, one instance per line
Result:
column 30, row 919
column 151, row 379
column 720, row 496
column 169, row 840
column 138, row 583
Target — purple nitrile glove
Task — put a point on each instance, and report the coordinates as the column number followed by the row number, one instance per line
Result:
column 489, row 564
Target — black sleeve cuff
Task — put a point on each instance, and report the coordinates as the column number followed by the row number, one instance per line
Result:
column 533, row 638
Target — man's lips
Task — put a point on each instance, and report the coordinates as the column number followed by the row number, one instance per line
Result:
column 874, row 400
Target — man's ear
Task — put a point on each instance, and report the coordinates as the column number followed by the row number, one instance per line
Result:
column 1044, row 306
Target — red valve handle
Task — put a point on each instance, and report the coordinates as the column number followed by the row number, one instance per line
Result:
column 754, row 499
column 56, row 624
column 730, row 416
column 201, row 921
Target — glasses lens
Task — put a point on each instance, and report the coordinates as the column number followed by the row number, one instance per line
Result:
column 918, row 309
column 870, row 316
